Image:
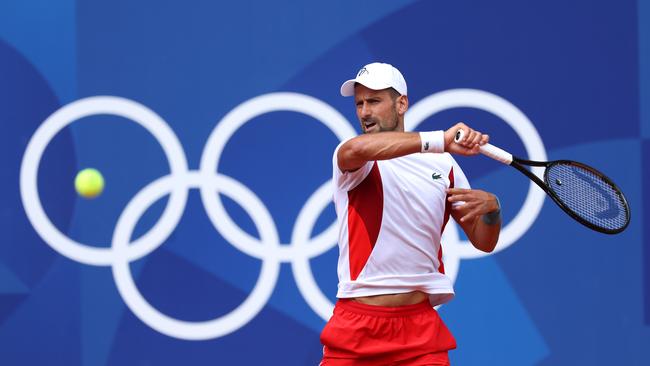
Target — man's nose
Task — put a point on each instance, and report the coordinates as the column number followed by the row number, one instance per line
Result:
column 365, row 111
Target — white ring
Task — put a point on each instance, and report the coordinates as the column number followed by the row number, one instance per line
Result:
column 219, row 137
column 45, row 133
column 165, row 324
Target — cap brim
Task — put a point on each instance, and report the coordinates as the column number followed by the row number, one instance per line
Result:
column 347, row 89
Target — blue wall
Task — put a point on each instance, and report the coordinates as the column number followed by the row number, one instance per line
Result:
column 234, row 109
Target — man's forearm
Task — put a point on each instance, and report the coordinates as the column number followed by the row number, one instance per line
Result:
column 377, row 146
column 484, row 235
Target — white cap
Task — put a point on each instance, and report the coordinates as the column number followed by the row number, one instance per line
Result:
column 376, row 76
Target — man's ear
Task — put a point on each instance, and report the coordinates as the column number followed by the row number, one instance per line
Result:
column 402, row 104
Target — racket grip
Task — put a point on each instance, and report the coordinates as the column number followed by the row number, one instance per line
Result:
column 489, row 150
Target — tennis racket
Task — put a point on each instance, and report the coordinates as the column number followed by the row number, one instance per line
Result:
column 581, row 191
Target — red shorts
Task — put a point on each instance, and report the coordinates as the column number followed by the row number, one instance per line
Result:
column 360, row 335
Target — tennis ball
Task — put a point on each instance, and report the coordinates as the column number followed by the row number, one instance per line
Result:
column 89, row 183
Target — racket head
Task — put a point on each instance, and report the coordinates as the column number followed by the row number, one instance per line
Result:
column 588, row 196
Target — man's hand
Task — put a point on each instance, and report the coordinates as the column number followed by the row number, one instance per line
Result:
column 477, row 203
column 483, row 235
column 470, row 143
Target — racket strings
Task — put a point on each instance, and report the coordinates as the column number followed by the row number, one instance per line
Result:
column 588, row 195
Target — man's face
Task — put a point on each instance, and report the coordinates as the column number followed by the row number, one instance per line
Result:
column 376, row 110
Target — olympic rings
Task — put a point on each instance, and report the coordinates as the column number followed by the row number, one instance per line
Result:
column 268, row 248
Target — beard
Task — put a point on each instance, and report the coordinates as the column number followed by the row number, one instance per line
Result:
column 390, row 124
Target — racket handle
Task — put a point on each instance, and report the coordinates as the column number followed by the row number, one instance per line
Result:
column 489, row 150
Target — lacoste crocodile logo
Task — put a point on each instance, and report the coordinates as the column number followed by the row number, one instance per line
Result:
column 435, row 176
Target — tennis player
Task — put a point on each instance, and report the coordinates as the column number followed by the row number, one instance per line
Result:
column 394, row 192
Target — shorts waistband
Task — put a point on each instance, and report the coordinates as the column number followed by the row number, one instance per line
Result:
column 384, row 311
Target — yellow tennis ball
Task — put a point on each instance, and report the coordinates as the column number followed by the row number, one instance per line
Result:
column 89, row 183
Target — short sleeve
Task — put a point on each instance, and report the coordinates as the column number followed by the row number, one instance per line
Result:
column 347, row 181
column 460, row 180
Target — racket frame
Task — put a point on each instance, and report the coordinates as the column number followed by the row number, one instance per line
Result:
column 518, row 163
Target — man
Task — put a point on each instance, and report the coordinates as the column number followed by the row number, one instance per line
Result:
column 394, row 192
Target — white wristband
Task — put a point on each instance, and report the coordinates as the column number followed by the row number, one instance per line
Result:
column 432, row 141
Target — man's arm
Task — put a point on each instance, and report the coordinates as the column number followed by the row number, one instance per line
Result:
column 354, row 153
column 479, row 217
column 377, row 146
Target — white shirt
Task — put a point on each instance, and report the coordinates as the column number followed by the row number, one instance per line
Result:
column 391, row 215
